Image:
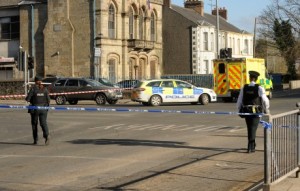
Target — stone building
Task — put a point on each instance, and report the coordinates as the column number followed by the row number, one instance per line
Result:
column 190, row 43
column 114, row 39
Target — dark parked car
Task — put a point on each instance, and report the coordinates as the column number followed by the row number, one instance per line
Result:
column 128, row 83
column 100, row 93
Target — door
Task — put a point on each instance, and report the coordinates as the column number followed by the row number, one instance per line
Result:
column 220, row 78
column 234, row 75
column 167, row 91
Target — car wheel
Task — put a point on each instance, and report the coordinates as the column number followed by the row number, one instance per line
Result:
column 155, row 100
column 112, row 102
column 60, row 100
column 100, row 99
column 204, row 99
column 73, row 102
column 145, row 103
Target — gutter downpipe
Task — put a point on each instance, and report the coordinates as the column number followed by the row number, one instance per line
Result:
column 218, row 28
column 94, row 41
column 72, row 39
column 32, row 40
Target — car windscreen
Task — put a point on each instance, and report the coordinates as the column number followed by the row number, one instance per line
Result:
column 94, row 83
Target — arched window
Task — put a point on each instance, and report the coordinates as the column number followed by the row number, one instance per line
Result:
column 112, row 70
column 131, row 24
column 111, row 21
column 141, row 24
column 153, row 25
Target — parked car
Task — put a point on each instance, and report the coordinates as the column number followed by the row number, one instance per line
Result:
column 128, row 83
column 100, row 93
column 156, row 92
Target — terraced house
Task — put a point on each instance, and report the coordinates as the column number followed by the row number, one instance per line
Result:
column 115, row 39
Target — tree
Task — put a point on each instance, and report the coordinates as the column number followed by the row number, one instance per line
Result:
column 280, row 22
column 286, row 42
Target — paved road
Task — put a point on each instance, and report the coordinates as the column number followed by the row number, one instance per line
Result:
column 132, row 150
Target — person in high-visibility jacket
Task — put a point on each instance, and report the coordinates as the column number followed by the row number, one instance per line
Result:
column 252, row 99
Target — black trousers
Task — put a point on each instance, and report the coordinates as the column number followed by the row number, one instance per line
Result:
column 36, row 116
column 252, row 124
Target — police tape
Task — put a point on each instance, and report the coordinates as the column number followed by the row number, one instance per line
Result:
column 123, row 110
column 264, row 124
column 67, row 93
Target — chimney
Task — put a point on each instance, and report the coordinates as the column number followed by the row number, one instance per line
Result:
column 222, row 12
column 196, row 5
column 167, row 3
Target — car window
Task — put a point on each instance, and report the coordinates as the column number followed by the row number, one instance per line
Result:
column 83, row 83
column 181, row 84
column 72, row 82
column 60, row 83
column 154, row 84
column 168, row 84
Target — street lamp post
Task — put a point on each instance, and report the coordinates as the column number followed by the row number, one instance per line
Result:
column 218, row 28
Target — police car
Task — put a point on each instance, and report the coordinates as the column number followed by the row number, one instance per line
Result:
column 156, row 92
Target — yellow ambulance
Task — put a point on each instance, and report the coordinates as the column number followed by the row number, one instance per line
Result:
column 231, row 74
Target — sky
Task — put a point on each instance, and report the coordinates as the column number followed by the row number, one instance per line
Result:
column 241, row 13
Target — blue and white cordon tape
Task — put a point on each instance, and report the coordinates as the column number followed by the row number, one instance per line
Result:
column 265, row 124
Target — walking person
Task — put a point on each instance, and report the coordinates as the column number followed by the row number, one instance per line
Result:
column 252, row 99
column 39, row 96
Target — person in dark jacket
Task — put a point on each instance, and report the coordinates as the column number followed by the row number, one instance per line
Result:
column 252, row 99
column 38, row 95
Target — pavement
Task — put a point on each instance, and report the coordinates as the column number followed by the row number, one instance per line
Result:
column 231, row 169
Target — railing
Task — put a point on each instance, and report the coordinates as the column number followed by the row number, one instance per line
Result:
column 282, row 147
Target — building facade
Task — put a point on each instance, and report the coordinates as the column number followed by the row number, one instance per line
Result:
column 113, row 39
column 190, row 38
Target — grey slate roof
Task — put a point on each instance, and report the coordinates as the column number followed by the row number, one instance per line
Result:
column 11, row 3
column 206, row 19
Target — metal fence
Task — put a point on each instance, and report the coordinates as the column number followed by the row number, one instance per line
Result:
column 200, row 80
column 282, row 147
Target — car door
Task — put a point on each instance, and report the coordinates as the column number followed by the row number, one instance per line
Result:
column 85, row 86
column 185, row 91
column 72, row 86
column 167, row 91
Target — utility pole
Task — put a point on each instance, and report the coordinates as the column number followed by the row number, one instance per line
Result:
column 218, row 28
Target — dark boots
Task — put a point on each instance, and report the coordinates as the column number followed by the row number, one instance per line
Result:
column 251, row 147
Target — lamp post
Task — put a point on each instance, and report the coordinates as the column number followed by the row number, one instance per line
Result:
column 218, row 28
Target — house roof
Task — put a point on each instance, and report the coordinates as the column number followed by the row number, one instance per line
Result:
column 206, row 19
column 13, row 3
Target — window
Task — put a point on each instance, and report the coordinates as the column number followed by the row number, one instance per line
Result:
column 221, row 68
column 111, row 70
column 72, row 83
column 212, row 37
column 168, row 84
column 141, row 25
column 9, row 28
column 154, row 84
column 60, row 83
column 111, row 21
column 152, row 23
column 83, row 83
column 131, row 26
column 246, row 46
column 182, row 84
column 205, row 41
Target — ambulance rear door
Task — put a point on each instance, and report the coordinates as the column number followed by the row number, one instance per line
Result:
column 235, row 75
column 220, row 78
